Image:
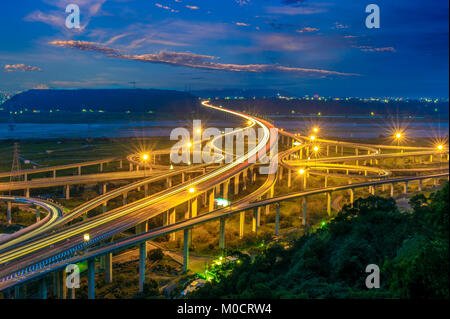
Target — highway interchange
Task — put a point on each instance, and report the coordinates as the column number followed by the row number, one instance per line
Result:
column 57, row 241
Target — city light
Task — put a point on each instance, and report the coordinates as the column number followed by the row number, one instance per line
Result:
column 302, row 171
column 171, row 167
column 440, row 147
column 145, row 157
column 189, row 144
column 316, row 149
column 222, row 202
column 250, row 123
column 313, row 137
column 316, row 130
column 297, row 143
column 199, row 130
column 398, row 135
column 86, row 237
column 192, row 190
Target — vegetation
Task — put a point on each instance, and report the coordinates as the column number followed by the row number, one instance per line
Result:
column 411, row 249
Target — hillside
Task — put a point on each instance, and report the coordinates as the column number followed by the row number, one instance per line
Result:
column 112, row 100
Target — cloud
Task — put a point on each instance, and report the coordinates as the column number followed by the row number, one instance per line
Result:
column 307, row 30
column 21, row 67
column 292, row 11
column 366, row 48
column 192, row 60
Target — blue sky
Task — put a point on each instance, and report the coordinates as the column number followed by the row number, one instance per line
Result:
column 304, row 47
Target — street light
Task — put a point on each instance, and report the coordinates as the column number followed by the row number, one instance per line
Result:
column 440, row 147
column 145, row 158
column 398, row 135
column 316, row 149
column 189, row 144
column 302, row 171
column 316, row 130
column 313, row 137
column 86, row 237
column 192, row 190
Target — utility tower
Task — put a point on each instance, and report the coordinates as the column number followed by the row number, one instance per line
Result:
column 15, row 169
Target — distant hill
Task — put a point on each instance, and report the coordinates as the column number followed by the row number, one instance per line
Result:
column 246, row 93
column 275, row 106
column 108, row 100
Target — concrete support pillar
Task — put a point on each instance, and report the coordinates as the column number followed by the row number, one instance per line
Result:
column 38, row 214
column 183, row 177
column 67, row 191
column 54, row 174
column 131, row 167
column 91, row 278
column 328, row 150
column 142, row 258
column 120, row 164
column 108, row 268
column 8, row 212
column 277, row 220
column 352, row 196
column 62, row 288
column 241, row 224
column 255, row 220
column 305, row 209
column 405, row 190
column 125, row 199
column 329, row 197
column 244, row 179
column 103, row 189
column 169, row 182
column 436, row 182
column 146, row 190
column 226, row 186
column 212, row 196
column 172, row 220
column 194, row 207
column 289, row 177
column 222, row 234
column 326, row 181
column 27, row 193
column 236, row 184
column 43, row 289
column 186, row 250
column 101, row 167
column 420, row 185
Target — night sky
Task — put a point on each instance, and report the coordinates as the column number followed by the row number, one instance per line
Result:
column 303, row 47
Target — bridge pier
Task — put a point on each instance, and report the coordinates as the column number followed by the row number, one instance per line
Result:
column 79, row 170
column 329, row 197
column 125, row 199
column 222, row 234
column 289, row 177
column 67, row 191
column 38, row 214
column 226, row 186
column 142, row 257
column 27, row 193
column 101, row 167
column 212, row 195
column 108, row 268
column 62, row 288
column 305, row 209
column 244, row 179
column 43, row 289
column 277, row 220
column 172, row 220
column 194, row 207
column 241, row 224
column 420, row 185
column 131, row 167
column 352, row 196
column 186, row 250
column 8, row 212
column 91, row 278
column 146, row 190
column 169, row 182
column 256, row 216
column 405, row 190
column 236, row 184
